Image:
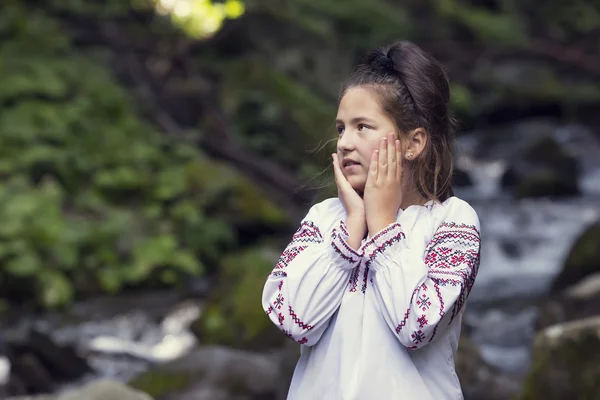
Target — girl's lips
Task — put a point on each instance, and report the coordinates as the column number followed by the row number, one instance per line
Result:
column 351, row 167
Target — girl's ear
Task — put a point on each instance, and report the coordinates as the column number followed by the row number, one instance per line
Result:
column 416, row 140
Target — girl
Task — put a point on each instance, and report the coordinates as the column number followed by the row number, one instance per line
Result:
column 374, row 282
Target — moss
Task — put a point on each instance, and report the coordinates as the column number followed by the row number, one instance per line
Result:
column 158, row 383
column 583, row 258
column 567, row 370
column 234, row 315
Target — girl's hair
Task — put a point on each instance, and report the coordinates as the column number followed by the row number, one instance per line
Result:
column 413, row 90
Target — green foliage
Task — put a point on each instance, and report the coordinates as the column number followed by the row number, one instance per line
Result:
column 91, row 197
column 504, row 27
column 233, row 317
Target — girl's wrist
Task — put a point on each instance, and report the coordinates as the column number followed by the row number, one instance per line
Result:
column 379, row 222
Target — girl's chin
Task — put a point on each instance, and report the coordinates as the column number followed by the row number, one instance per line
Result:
column 358, row 185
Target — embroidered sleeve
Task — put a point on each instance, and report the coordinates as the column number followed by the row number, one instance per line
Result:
column 307, row 284
column 419, row 296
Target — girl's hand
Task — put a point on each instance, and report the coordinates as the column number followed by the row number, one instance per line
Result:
column 356, row 223
column 383, row 193
column 351, row 200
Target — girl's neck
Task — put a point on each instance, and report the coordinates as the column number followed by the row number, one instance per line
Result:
column 412, row 196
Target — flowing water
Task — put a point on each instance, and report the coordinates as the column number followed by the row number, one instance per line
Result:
column 524, row 244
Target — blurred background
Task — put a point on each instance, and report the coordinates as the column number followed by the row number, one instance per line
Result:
column 157, row 155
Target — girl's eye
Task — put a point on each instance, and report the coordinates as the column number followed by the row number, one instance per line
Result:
column 340, row 130
column 361, row 126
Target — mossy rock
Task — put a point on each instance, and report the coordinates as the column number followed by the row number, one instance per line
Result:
column 566, row 362
column 546, row 151
column 217, row 372
column 546, row 185
column 542, row 169
column 233, row 316
column 160, row 382
column 583, row 259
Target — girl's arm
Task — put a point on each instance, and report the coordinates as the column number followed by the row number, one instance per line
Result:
column 306, row 286
column 419, row 297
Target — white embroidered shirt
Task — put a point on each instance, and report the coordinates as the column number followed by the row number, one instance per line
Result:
column 382, row 322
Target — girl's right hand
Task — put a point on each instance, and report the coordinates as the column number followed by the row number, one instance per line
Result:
column 353, row 203
column 356, row 223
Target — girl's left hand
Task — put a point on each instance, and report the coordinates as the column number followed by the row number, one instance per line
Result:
column 383, row 193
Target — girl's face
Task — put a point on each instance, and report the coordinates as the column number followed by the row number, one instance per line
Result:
column 361, row 124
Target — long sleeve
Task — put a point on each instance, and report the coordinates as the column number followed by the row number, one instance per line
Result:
column 418, row 294
column 307, row 284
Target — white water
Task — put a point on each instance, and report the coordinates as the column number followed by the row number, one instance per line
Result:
column 524, row 245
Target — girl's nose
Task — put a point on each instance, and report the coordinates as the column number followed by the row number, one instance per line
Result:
column 345, row 142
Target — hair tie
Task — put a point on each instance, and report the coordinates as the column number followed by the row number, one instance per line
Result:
column 382, row 63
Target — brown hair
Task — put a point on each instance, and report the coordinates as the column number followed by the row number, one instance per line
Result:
column 413, row 90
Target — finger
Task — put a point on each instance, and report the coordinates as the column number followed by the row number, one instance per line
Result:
column 399, row 161
column 340, row 180
column 373, row 169
column 391, row 152
column 337, row 171
column 382, row 167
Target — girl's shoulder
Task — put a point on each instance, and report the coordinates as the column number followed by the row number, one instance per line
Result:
column 328, row 209
column 428, row 218
column 455, row 209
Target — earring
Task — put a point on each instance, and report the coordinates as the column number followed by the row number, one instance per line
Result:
column 409, row 156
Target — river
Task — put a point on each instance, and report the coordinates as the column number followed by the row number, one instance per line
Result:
column 524, row 244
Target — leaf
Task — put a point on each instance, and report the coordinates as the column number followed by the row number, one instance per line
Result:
column 185, row 261
column 23, row 265
column 111, row 279
column 56, row 289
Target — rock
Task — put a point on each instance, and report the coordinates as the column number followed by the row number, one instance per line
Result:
column 565, row 362
column 216, row 372
column 510, row 247
column 99, row 390
column 575, row 292
column 102, row 390
column 546, row 185
column 479, row 380
column 38, row 363
column 461, row 178
column 581, row 300
column 510, row 178
column 583, row 259
column 542, row 168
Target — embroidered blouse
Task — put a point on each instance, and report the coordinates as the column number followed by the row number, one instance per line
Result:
column 382, row 322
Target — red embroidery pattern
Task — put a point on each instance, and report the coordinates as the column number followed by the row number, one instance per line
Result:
column 423, row 302
column 279, row 300
column 365, row 277
column 307, row 233
column 298, row 321
column 452, row 258
column 407, row 313
column 353, row 281
column 384, row 239
column 341, row 247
